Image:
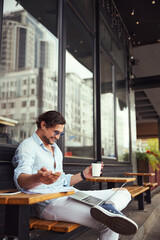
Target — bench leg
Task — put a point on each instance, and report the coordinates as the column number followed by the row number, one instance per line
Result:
column 100, row 186
column 140, row 198
column 110, row 185
column 148, row 196
column 17, row 221
column 140, row 180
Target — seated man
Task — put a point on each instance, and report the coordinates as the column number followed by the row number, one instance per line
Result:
column 38, row 167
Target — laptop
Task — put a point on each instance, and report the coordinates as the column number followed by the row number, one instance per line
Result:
column 91, row 200
column 86, row 198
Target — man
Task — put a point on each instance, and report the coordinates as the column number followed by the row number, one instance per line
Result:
column 38, row 168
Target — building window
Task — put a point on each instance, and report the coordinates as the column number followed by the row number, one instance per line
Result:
column 22, row 40
column 79, row 139
column 122, row 117
column 24, row 92
column 3, row 105
column 29, row 55
column 32, row 103
column 33, row 80
column 24, row 82
column 24, row 104
column 107, row 107
column 12, row 105
column 32, row 91
column 12, row 94
column 3, row 95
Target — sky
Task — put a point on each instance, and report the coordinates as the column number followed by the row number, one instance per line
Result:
column 10, row 5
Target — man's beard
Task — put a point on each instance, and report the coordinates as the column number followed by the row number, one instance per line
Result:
column 47, row 141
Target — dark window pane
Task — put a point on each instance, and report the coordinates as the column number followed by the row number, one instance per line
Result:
column 21, row 50
column 86, row 11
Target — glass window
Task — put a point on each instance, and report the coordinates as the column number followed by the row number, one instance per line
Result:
column 117, row 54
column 32, row 103
column 107, row 107
column 109, row 43
column 24, row 104
column 79, row 89
column 3, row 105
column 29, row 53
column 85, row 10
column 122, row 117
column 33, row 91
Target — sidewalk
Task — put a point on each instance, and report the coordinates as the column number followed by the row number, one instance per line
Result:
column 147, row 221
column 154, row 233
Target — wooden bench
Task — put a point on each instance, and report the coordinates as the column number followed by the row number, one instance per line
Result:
column 138, row 193
column 140, row 177
column 147, row 197
column 6, row 182
column 140, row 182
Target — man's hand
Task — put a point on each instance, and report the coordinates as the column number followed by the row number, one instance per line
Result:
column 48, row 177
column 88, row 171
column 29, row 181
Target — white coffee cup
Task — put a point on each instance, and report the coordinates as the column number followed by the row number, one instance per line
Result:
column 96, row 169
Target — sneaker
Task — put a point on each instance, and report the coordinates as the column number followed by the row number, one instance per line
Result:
column 113, row 219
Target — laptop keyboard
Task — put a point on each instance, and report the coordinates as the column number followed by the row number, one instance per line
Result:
column 93, row 200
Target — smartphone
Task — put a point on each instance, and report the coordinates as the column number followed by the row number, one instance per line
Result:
column 57, row 174
column 10, row 192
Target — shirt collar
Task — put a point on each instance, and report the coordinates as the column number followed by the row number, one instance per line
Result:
column 39, row 141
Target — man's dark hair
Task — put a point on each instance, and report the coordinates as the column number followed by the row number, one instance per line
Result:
column 51, row 118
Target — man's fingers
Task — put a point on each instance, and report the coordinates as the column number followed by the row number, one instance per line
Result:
column 56, row 174
column 43, row 169
column 48, row 177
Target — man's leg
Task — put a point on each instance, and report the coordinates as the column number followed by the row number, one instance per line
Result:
column 66, row 209
column 69, row 210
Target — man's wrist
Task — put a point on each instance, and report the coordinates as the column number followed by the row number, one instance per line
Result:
column 82, row 176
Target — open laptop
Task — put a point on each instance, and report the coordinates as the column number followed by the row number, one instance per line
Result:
column 91, row 200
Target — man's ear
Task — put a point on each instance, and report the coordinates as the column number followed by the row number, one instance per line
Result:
column 43, row 125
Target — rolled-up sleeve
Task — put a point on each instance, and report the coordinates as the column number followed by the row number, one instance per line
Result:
column 67, row 179
column 23, row 162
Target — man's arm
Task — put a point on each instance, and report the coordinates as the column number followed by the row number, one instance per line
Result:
column 76, row 178
column 28, row 181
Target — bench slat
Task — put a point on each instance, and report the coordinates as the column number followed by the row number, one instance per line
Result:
column 149, row 184
column 64, row 227
column 33, row 221
column 37, row 223
column 136, row 190
column 44, row 224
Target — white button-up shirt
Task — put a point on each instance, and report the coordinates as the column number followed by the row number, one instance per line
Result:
column 31, row 155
